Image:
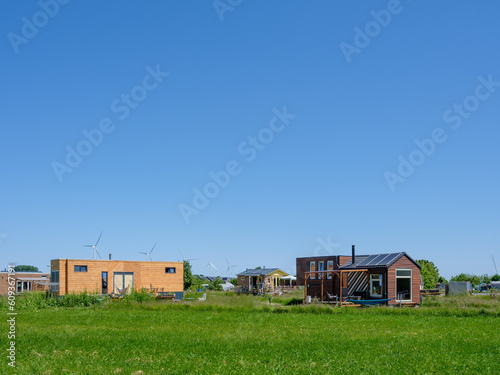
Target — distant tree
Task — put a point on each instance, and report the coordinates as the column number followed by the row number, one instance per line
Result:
column 25, row 268
column 234, row 282
column 441, row 279
column 429, row 272
column 484, row 279
column 198, row 282
column 216, row 284
column 258, row 268
column 188, row 275
column 495, row 277
column 475, row 280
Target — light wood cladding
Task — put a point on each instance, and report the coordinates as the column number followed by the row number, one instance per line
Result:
column 146, row 274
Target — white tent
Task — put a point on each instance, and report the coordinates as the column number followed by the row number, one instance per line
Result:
column 289, row 278
column 227, row 287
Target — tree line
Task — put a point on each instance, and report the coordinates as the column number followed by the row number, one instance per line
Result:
column 430, row 276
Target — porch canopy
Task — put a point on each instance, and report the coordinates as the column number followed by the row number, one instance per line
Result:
column 322, row 275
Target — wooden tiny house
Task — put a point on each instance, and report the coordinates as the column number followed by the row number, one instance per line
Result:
column 260, row 279
column 114, row 276
column 379, row 276
column 24, row 282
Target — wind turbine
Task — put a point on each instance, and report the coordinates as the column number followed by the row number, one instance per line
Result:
column 94, row 247
column 184, row 259
column 229, row 266
column 148, row 254
column 210, row 265
column 494, row 265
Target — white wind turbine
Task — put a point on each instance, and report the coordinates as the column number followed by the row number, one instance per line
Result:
column 184, row 259
column 229, row 266
column 148, row 254
column 94, row 247
column 210, row 265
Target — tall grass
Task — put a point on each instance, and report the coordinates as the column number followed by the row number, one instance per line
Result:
column 460, row 306
column 42, row 300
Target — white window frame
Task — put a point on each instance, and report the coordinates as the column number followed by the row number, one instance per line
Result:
column 20, row 286
column 404, row 277
column 329, row 275
column 312, row 276
column 379, row 278
column 321, row 267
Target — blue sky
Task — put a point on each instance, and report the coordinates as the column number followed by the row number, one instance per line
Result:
column 335, row 97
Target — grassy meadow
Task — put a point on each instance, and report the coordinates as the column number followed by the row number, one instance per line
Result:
column 228, row 334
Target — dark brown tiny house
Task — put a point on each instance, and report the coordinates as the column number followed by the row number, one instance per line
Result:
column 378, row 276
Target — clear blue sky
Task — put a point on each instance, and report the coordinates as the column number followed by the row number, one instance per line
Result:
column 330, row 172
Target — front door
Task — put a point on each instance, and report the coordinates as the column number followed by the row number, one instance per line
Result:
column 123, row 282
column 375, row 285
column 104, row 283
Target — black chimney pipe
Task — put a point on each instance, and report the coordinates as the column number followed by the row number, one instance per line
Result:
column 353, row 254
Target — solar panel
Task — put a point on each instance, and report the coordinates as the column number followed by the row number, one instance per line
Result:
column 378, row 260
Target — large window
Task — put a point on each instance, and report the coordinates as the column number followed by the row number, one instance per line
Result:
column 54, row 276
column 376, row 285
column 54, row 281
column 321, row 267
column 80, row 268
column 329, row 267
column 23, row 286
column 312, row 267
column 403, row 284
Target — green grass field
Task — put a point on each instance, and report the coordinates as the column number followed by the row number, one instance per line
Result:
column 245, row 335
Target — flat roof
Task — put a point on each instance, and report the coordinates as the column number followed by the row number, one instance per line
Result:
column 118, row 260
column 26, row 272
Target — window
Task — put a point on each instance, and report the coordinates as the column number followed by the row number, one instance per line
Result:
column 376, row 285
column 54, row 276
column 321, row 267
column 403, row 284
column 23, row 286
column 54, row 281
column 242, row 278
column 169, row 269
column 312, row 267
column 329, row 267
column 80, row 268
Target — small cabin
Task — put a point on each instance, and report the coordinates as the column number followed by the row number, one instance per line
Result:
column 388, row 276
column 115, row 276
column 260, row 279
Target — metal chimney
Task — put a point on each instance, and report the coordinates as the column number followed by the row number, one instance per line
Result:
column 353, row 254
column 110, row 256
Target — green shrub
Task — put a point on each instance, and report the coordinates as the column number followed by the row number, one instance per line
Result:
column 140, row 296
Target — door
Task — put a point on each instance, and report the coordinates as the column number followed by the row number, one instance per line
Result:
column 375, row 285
column 123, row 282
column 104, row 283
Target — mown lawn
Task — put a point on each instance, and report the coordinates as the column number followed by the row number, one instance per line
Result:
column 128, row 339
